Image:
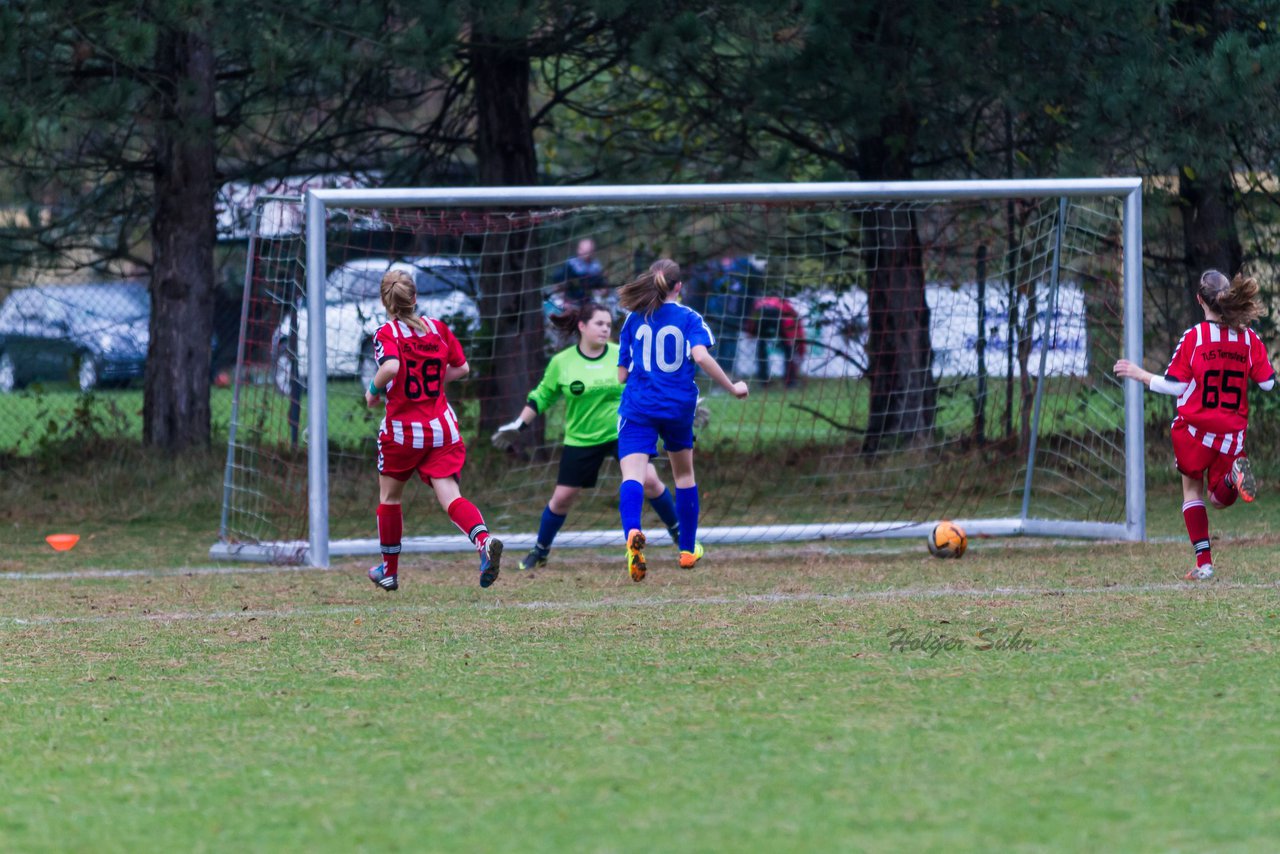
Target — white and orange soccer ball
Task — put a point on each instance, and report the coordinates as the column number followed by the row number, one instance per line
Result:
column 947, row 539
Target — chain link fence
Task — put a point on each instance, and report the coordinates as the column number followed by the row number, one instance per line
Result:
column 73, row 359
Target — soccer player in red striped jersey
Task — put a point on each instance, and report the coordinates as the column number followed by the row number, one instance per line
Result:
column 1209, row 374
column 417, row 356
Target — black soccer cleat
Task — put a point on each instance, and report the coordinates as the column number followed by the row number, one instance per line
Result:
column 537, row 557
column 378, row 575
column 490, row 560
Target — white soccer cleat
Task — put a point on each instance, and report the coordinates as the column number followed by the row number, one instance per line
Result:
column 1200, row 573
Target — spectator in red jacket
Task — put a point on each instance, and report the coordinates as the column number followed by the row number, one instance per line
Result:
column 775, row 321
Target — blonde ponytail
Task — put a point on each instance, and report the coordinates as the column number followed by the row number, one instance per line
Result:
column 400, row 299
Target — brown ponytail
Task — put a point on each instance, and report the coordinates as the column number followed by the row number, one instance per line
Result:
column 651, row 290
column 1235, row 301
column 400, row 298
column 567, row 321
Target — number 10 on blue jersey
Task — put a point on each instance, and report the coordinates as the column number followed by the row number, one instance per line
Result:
column 654, row 348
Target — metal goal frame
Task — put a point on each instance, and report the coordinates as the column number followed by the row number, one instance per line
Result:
column 317, row 550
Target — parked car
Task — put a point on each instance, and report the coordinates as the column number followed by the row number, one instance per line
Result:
column 91, row 335
column 460, row 272
column 353, row 313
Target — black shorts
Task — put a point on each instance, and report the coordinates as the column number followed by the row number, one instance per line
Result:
column 580, row 465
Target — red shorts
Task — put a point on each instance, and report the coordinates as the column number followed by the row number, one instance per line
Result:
column 401, row 461
column 1194, row 459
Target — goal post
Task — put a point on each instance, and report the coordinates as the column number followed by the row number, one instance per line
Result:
column 948, row 356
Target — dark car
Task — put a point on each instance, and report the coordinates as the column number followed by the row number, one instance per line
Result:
column 90, row 335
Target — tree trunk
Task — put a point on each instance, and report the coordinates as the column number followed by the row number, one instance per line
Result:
column 176, row 402
column 511, row 267
column 899, row 351
column 1209, row 233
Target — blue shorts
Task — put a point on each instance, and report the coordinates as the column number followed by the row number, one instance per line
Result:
column 640, row 435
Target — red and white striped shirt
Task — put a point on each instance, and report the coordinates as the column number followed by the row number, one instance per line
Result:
column 418, row 414
column 1216, row 362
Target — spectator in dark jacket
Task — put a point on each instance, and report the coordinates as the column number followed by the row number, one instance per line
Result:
column 581, row 277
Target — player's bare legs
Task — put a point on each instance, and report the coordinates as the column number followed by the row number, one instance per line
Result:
column 682, row 468
column 562, row 500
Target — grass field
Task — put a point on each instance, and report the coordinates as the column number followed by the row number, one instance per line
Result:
column 815, row 697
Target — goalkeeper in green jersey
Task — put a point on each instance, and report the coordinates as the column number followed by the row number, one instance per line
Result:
column 586, row 376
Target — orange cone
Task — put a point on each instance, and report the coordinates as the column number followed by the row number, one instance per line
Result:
column 62, row 542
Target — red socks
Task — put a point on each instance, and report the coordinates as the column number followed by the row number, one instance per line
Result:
column 1197, row 519
column 1224, row 494
column 468, row 519
column 390, row 529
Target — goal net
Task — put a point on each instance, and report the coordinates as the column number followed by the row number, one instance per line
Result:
column 915, row 351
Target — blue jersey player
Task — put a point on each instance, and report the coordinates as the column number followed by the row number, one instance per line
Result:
column 661, row 347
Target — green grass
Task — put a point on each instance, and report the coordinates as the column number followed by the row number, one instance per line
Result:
column 48, row 414
column 136, row 510
column 755, row 704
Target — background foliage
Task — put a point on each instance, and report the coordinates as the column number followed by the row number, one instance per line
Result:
column 101, row 128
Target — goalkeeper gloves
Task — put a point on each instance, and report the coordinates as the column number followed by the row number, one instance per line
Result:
column 701, row 416
column 505, row 437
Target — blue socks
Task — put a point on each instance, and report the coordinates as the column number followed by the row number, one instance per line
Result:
column 630, row 503
column 665, row 506
column 687, row 510
column 549, row 527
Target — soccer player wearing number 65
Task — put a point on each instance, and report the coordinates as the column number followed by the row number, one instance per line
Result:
column 661, row 347
column 417, row 356
column 1209, row 374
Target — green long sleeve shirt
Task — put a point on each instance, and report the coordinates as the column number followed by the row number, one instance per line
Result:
column 591, row 392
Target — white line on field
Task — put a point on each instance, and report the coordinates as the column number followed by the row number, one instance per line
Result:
column 77, row 574
column 258, row 569
column 895, row 594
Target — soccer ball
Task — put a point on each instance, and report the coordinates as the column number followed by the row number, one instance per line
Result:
column 947, row 540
